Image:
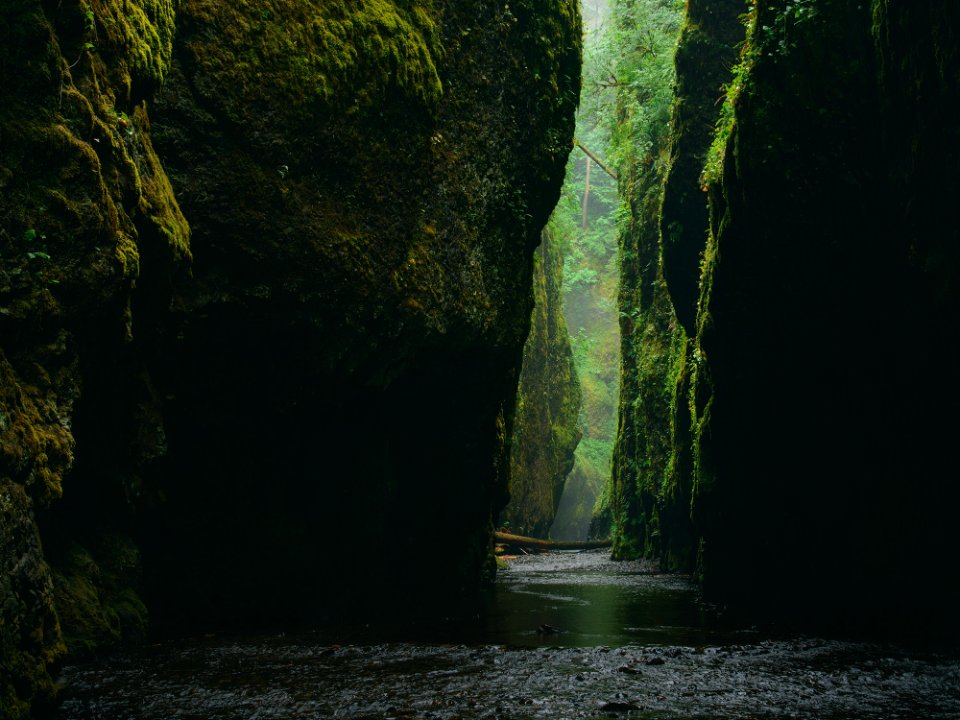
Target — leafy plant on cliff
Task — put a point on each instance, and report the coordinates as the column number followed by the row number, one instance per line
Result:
column 586, row 218
column 642, row 40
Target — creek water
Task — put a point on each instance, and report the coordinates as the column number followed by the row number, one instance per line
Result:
column 568, row 635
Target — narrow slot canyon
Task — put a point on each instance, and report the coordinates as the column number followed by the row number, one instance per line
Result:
column 328, row 328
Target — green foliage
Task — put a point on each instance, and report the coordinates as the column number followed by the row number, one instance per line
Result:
column 644, row 33
column 713, row 166
column 624, row 118
column 89, row 18
column 590, row 283
column 546, row 431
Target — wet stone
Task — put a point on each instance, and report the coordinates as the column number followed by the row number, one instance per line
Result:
column 506, row 670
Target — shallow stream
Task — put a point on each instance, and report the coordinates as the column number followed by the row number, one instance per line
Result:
column 569, row 635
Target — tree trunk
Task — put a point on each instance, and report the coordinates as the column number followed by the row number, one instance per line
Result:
column 586, row 194
column 538, row 544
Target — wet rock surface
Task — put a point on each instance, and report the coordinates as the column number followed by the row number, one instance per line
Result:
column 735, row 675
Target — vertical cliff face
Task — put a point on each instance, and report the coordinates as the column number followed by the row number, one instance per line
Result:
column 663, row 246
column 807, row 432
column 652, row 351
column 646, row 485
column 827, row 311
column 546, row 429
column 88, row 226
column 706, row 51
column 366, row 185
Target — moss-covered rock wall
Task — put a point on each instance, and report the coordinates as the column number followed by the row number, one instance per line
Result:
column 828, row 312
column 546, row 429
column 333, row 352
column 810, row 419
column 708, row 48
column 90, row 237
column 648, row 486
column 652, row 346
column 662, row 250
column 366, row 185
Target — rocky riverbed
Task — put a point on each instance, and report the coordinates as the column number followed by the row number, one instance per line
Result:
column 567, row 636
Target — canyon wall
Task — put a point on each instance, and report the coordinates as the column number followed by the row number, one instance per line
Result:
column 546, row 429
column 366, row 186
column 809, row 473
column 827, row 323
column 293, row 328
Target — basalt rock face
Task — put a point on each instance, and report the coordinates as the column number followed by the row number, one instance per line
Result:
column 90, row 238
column 546, row 428
column 650, row 488
column 807, row 433
column 824, row 386
column 366, row 185
column 708, row 46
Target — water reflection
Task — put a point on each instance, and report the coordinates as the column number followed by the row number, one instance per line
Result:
column 594, row 602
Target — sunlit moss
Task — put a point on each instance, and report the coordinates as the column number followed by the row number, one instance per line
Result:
column 141, row 31
column 345, row 54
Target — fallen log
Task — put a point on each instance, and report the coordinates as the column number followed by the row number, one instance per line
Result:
column 538, row 544
column 597, row 160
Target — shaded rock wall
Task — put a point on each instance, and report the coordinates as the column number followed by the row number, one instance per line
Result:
column 652, row 345
column 810, row 424
column 646, row 485
column 707, row 50
column 366, row 185
column 664, row 245
column 346, row 354
column 827, row 318
column 546, row 429
column 88, row 223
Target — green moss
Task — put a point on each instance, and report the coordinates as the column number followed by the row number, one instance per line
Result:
column 136, row 39
column 651, row 486
column 546, row 429
column 29, row 631
column 739, row 77
column 830, row 185
column 90, row 624
column 346, row 55
column 95, row 596
column 86, row 214
column 710, row 41
column 158, row 206
column 36, row 447
column 77, row 167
